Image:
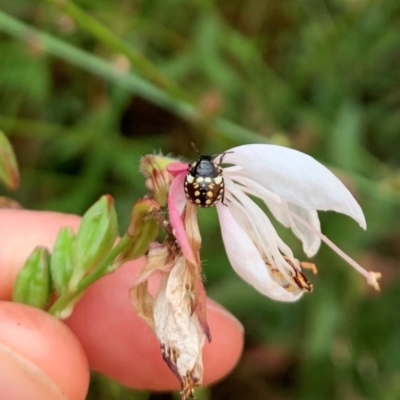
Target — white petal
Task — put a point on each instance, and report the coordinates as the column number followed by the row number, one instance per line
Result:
column 246, row 259
column 258, row 226
column 281, row 210
column 311, row 242
column 295, row 177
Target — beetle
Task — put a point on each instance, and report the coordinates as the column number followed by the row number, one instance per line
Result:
column 204, row 182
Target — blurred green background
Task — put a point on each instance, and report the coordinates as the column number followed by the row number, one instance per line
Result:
column 99, row 84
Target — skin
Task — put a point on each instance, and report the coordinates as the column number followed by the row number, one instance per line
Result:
column 44, row 358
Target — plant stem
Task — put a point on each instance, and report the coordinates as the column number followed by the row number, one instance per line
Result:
column 139, row 63
column 65, row 299
column 129, row 81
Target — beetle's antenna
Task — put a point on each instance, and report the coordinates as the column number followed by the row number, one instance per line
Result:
column 222, row 156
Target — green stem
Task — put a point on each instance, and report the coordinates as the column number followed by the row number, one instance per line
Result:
column 130, row 82
column 65, row 299
column 139, row 63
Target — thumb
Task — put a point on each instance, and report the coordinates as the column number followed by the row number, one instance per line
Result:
column 40, row 358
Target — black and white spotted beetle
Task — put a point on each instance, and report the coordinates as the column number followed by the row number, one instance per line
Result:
column 204, row 182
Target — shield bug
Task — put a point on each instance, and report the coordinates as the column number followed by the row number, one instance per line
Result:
column 204, row 182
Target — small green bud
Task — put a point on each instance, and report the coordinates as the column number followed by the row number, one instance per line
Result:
column 95, row 238
column 8, row 164
column 154, row 168
column 142, row 230
column 144, row 210
column 32, row 286
column 62, row 260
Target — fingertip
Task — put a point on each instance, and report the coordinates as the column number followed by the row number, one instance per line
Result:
column 40, row 358
column 224, row 351
column 20, row 232
column 120, row 345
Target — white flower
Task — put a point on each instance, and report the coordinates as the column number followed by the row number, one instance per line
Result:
column 294, row 186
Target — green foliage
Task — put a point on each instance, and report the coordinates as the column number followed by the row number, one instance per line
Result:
column 142, row 231
column 9, row 174
column 79, row 260
column 32, row 286
column 95, row 238
column 98, row 85
column 62, row 260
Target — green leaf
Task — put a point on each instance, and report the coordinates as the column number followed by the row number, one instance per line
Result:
column 61, row 265
column 32, row 286
column 8, row 164
column 95, row 238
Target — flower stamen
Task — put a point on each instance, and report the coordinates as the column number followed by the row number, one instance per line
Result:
column 311, row 266
column 298, row 279
column 370, row 276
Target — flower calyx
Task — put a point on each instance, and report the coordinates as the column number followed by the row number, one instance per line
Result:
column 158, row 179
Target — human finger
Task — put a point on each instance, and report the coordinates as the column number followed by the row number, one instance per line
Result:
column 116, row 341
column 120, row 345
column 40, row 358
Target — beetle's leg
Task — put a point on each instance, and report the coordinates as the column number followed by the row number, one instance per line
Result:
column 222, row 156
column 223, row 199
